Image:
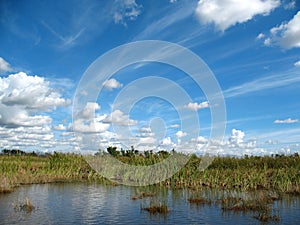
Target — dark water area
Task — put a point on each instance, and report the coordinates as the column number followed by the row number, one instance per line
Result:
column 82, row 203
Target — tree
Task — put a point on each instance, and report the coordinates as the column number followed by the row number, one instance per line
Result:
column 113, row 151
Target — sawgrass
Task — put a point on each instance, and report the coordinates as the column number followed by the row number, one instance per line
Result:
column 279, row 173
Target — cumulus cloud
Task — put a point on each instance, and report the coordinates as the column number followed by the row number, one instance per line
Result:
column 200, row 139
column 4, row 66
column 87, row 121
column 26, row 137
column 234, row 145
column 227, row 13
column 287, row 35
column 126, row 10
column 59, row 127
column 237, row 137
column 147, row 141
column 88, row 111
column 25, row 103
column 289, row 120
column 16, row 116
column 181, row 134
column 260, row 36
column 166, row 141
column 91, row 126
column 145, row 132
column 117, row 117
column 30, row 92
column 112, row 84
column 196, row 106
column 297, row 63
column 24, row 99
column 236, row 142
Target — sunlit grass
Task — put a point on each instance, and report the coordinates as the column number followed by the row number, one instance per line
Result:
column 278, row 173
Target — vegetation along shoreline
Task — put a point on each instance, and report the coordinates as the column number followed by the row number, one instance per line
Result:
column 277, row 173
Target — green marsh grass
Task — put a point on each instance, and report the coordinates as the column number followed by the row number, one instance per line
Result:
column 278, row 173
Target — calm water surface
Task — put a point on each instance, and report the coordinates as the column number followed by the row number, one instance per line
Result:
column 100, row 204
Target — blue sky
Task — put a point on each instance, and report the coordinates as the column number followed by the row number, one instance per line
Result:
column 251, row 47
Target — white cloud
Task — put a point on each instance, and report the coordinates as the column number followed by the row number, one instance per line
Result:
column 297, row 63
column 126, row 10
column 25, row 102
column 196, row 106
column 146, row 141
column 117, row 117
column 89, row 110
column 112, row 84
column 181, row 134
column 30, row 92
column 26, row 137
column 66, row 133
column 227, row 13
column 287, row 35
column 16, row 116
column 290, row 5
column 167, row 141
column 81, row 125
column 271, row 142
column 200, row 139
column 146, row 130
column 260, row 36
column 237, row 137
column 267, row 41
column 289, row 120
column 4, row 66
column 174, row 126
column 235, row 145
column 59, row 127
column 24, row 98
column 87, row 121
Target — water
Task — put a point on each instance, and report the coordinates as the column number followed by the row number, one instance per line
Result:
column 99, row 204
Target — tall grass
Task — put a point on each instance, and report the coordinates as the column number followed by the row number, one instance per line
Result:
column 17, row 170
column 280, row 173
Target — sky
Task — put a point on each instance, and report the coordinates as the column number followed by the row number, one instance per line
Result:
column 51, row 99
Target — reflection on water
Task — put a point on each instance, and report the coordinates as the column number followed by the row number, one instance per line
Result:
column 99, row 204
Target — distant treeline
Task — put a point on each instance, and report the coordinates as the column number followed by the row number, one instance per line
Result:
column 24, row 153
column 132, row 152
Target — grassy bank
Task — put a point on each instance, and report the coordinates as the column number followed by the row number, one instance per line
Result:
column 16, row 170
column 279, row 173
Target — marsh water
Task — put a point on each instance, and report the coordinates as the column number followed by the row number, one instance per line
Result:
column 82, row 203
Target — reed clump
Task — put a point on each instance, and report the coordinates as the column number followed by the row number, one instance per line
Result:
column 199, row 201
column 26, row 206
column 259, row 203
column 143, row 195
column 153, row 209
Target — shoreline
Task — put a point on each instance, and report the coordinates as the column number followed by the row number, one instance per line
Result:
column 280, row 174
